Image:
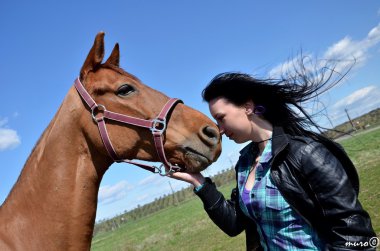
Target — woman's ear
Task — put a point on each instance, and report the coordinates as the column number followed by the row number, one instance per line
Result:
column 249, row 107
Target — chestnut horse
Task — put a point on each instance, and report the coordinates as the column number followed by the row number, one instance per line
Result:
column 52, row 206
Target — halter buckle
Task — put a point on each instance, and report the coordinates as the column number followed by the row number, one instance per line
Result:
column 158, row 126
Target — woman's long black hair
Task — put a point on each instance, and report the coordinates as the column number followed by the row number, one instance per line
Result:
column 280, row 97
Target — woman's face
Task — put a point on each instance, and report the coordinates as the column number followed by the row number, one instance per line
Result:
column 231, row 119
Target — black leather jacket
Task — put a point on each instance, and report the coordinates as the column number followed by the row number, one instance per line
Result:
column 318, row 181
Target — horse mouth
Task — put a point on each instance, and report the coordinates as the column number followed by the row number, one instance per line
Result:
column 195, row 161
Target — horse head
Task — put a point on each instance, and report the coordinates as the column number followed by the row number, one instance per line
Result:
column 190, row 139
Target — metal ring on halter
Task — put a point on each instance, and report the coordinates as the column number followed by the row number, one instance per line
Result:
column 161, row 172
column 157, row 169
column 96, row 110
column 158, row 125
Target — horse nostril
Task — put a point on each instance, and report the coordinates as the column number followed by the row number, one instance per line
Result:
column 211, row 134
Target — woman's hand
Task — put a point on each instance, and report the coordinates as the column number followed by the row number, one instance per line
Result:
column 196, row 179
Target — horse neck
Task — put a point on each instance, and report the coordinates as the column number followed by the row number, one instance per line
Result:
column 56, row 193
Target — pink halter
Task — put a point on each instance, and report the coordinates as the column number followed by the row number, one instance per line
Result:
column 157, row 126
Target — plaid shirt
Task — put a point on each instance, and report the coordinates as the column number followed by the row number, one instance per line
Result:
column 279, row 226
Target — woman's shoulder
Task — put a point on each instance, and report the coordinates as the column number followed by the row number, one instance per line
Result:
column 283, row 140
column 296, row 143
column 302, row 148
column 308, row 145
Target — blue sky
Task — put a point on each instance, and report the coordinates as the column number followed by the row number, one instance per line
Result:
column 175, row 47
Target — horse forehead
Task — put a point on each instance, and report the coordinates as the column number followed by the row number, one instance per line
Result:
column 109, row 77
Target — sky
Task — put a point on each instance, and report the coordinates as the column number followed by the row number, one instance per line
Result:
column 175, row 47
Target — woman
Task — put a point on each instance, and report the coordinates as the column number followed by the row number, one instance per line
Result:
column 296, row 189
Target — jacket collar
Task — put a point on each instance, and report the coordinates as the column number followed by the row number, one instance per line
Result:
column 279, row 140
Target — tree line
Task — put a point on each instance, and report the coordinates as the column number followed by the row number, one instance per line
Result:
column 366, row 121
column 163, row 202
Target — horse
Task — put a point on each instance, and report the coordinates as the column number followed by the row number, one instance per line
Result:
column 108, row 115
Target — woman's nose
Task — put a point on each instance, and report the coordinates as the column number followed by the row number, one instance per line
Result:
column 221, row 129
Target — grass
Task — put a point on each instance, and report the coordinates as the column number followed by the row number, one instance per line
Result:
column 187, row 226
column 181, row 227
column 364, row 150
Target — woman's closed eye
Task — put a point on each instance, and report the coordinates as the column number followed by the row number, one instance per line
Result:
column 219, row 118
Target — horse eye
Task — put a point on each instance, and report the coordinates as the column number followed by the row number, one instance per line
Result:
column 125, row 90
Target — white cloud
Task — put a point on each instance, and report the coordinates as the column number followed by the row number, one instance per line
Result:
column 290, row 65
column 342, row 49
column 151, row 180
column 348, row 49
column 357, row 103
column 342, row 53
column 374, row 35
column 157, row 185
column 357, row 96
column 9, row 138
column 109, row 194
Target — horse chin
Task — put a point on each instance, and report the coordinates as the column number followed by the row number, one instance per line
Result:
column 195, row 162
column 191, row 160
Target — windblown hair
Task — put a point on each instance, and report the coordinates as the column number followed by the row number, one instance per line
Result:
column 280, row 97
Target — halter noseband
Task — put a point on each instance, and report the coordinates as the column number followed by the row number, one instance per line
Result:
column 156, row 125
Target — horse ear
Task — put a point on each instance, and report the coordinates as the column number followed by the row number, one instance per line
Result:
column 94, row 57
column 114, row 58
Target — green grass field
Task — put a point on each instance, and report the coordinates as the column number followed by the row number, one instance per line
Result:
column 187, row 226
column 364, row 150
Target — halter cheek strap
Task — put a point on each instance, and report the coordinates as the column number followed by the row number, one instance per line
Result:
column 157, row 126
